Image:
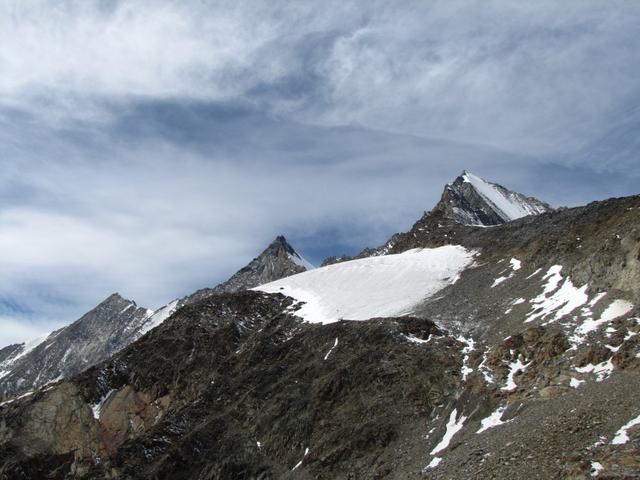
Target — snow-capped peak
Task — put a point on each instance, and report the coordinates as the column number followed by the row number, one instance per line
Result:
column 472, row 200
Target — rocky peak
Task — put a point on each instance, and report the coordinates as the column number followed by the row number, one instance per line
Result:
column 278, row 260
column 97, row 335
column 471, row 200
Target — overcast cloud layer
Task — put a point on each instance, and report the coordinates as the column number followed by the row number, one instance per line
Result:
column 152, row 148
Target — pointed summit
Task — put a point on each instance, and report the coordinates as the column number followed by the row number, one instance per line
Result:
column 278, row 260
column 471, row 200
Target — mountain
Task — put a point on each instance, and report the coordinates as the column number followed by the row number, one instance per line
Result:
column 505, row 352
column 96, row 335
column 469, row 200
column 117, row 322
column 277, row 261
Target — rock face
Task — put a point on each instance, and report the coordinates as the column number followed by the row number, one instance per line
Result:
column 277, row 261
column 97, row 335
column 117, row 322
column 526, row 366
column 471, row 200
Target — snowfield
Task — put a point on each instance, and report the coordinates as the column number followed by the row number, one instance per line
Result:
column 384, row 286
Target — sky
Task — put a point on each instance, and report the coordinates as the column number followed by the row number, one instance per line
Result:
column 152, row 147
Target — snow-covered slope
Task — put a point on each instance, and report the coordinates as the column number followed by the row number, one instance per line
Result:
column 382, row 286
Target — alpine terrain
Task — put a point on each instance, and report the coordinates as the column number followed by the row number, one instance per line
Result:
column 116, row 322
column 497, row 338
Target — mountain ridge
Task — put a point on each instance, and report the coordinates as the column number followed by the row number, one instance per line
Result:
column 116, row 322
column 525, row 365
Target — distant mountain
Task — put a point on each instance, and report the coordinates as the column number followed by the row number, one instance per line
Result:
column 469, row 200
column 510, row 352
column 117, row 322
column 277, row 261
column 96, row 335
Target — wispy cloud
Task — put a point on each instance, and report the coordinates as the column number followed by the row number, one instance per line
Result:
column 154, row 147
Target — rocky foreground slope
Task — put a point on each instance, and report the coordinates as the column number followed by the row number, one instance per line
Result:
column 523, row 364
column 116, row 322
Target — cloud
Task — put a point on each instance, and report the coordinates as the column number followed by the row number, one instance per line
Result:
column 153, row 148
column 544, row 76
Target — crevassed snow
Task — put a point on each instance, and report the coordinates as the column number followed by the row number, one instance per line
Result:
column 622, row 435
column 301, row 261
column 453, row 427
column 492, row 420
column 508, row 206
column 384, row 286
column 159, row 316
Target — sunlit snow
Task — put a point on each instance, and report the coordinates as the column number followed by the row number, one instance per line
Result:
column 493, row 420
column 514, row 367
column 561, row 302
column 383, row 286
column 510, row 207
column 622, row 435
column 453, row 427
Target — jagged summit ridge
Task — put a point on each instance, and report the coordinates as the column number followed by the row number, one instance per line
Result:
column 116, row 322
column 97, row 335
column 471, row 200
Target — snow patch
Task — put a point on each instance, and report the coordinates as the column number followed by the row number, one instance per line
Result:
column 159, row 316
column 602, row 370
column 97, row 407
column 453, row 427
column 468, row 348
column 435, row 461
column 493, row 420
column 306, row 452
column 331, row 349
column 514, row 367
column 561, row 302
column 622, row 435
column 383, row 286
column 515, row 266
column 596, row 468
column 575, row 383
column 616, row 309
